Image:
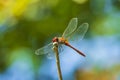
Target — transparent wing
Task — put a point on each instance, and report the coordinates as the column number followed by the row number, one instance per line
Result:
column 79, row 32
column 46, row 50
column 70, row 28
column 60, row 48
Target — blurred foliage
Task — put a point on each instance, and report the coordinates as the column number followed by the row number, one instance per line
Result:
column 98, row 74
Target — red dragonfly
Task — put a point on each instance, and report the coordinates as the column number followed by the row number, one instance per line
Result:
column 72, row 32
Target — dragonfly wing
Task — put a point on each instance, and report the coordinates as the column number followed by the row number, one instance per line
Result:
column 80, row 32
column 50, row 56
column 45, row 50
column 60, row 48
column 70, row 28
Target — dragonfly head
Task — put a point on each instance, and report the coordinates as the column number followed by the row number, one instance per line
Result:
column 55, row 39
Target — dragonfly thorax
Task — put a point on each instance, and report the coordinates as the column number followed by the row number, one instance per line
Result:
column 59, row 40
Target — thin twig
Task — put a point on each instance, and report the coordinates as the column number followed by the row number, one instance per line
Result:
column 55, row 48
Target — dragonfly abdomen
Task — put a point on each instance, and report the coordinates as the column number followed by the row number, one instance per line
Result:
column 67, row 44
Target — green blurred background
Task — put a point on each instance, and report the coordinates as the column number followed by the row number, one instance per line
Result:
column 26, row 25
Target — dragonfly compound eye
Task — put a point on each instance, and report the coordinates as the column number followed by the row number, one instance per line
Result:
column 55, row 39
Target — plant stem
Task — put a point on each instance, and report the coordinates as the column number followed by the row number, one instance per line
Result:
column 55, row 48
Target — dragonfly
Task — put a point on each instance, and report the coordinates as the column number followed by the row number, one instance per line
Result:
column 72, row 32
